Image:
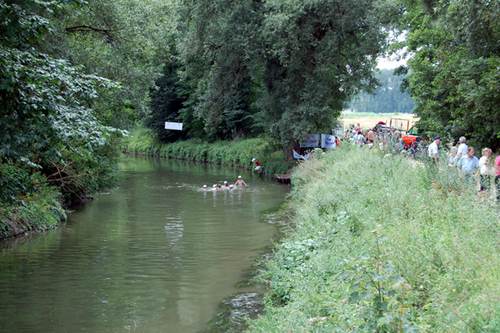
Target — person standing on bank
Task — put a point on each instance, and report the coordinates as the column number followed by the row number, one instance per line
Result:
column 462, row 148
column 497, row 175
column 434, row 149
column 469, row 164
column 486, row 169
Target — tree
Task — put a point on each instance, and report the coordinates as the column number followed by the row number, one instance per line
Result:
column 455, row 82
column 319, row 54
column 287, row 67
column 166, row 102
column 387, row 98
column 42, row 102
column 217, row 45
column 127, row 41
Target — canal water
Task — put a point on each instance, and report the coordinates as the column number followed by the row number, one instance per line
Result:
column 156, row 254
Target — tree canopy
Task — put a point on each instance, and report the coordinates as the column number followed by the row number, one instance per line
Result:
column 455, row 61
column 45, row 119
column 283, row 67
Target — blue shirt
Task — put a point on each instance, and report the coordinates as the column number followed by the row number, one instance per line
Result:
column 468, row 165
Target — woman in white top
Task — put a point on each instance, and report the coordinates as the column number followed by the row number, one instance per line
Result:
column 486, row 169
column 453, row 157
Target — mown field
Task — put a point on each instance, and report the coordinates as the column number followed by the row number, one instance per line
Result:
column 371, row 119
column 383, row 244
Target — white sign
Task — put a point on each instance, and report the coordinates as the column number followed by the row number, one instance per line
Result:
column 173, row 126
column 310, row 141
column 328, row 141
column 339, row 130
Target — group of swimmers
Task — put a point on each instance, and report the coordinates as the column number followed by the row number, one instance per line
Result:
column 226, row 186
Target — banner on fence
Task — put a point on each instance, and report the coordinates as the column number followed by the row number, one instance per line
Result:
column 328, row 141
column 301, row 157
column 310, row 141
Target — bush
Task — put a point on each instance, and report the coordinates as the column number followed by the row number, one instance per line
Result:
column 39, row 212
column 383, row 244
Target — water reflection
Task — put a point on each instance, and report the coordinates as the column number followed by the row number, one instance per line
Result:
column 155, row 255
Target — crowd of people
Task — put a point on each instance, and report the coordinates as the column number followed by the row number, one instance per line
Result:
column 483, row 171
column 371, row 137
column 477, row 171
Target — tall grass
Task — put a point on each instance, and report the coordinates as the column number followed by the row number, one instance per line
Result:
column 230, row 153
column 384, row 244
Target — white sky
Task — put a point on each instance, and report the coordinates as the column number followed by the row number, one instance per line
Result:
column 389, row 63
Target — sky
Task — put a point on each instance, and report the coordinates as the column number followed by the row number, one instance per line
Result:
column 389, row 63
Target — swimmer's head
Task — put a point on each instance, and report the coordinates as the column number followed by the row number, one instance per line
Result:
column 254, row 159
column 225, row 182
column 231, row 186
column 239, row 176
column 204, row 186
column 214, row 186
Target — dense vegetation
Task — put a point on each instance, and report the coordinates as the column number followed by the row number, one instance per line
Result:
column 387, row 98
column 75, row 75
column 228, row 70
column 284, row 68
column 50, row 133
column 383, row 245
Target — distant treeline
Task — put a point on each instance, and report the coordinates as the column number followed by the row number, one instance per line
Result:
column 388, row 98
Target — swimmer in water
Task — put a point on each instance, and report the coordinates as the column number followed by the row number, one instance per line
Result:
column 204, row 188
column 214, row 187
column 240, row 182
column 226, row 184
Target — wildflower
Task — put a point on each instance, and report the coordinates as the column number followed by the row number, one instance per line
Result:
column 343, row 300
column 312, row 320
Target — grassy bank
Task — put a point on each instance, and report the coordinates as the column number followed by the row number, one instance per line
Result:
column 229, row 153
column 383, row 244
column 41, row 211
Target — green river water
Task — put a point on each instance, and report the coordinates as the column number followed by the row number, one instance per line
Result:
column 156, row 254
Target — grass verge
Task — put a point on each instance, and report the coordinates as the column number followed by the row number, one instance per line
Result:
column 41, row 211
column 383, row 244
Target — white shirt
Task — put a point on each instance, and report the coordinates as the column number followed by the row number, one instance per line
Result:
column 486, row 170
column 433, row 149
column 462, row 150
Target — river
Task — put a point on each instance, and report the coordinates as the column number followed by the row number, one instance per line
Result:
column 156, row 254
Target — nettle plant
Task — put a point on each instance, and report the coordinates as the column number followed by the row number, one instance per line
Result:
column 384, row 297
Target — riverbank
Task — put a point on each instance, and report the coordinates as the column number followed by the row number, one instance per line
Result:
column 41, row 211
column 383, row 245
column 228, row 153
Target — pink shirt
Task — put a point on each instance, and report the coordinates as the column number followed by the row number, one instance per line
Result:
column 497, row 165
